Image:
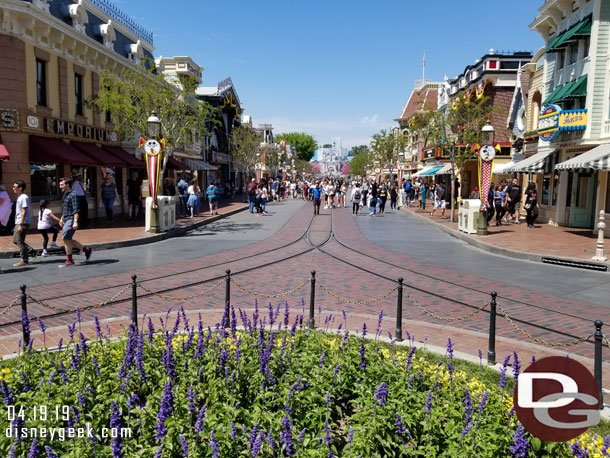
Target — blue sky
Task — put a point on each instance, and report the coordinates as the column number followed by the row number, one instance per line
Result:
column 335, row 67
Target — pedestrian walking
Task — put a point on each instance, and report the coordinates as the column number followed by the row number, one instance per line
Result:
column 343, row 193
column 531, row 204
column 439, row 199
column 108, row 194
column 79, row 189
column 422, row 196
column 194, row 204
column 383, row 198
column 393, row 197
column 22, row 224
column 212, row 195
column 69, row 222
column 316, row 194
column 356, row 198
column 490, row 203
column 373, row 200
column 45, row 225
column 499, row 204
column 183, row 187
column 251, row 191
column 134, row 195
column 513, row 199
column 264, row 197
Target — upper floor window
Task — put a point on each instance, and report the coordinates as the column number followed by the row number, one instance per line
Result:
column 573, row 53
column 587, row 45
column 78, row 93
column 41, row 82
column 560, row 57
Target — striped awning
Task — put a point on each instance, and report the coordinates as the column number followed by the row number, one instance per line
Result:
column 428, row 171
column 532, row 164
column 597, row 158
column 422, row 171
column 195, row 164
column 445, row 169
column 501, row 168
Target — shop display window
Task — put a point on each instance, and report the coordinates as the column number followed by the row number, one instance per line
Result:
column 546, row 189
column 44, row 181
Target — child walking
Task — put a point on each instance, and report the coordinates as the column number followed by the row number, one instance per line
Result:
column 45, row 225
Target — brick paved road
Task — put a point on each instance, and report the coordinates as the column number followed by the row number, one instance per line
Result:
column 285, row 265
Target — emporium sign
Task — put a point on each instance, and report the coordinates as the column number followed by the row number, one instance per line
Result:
column 553, row 119
column 13, row 120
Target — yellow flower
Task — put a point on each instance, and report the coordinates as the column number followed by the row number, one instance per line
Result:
column 6, row 371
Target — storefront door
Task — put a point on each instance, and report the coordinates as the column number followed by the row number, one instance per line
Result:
column 581, row 209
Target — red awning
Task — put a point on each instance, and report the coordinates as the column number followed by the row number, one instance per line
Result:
column 3, row 153
column 130, row 159
column 176, row 165
column 45, row 150
column 98, row 154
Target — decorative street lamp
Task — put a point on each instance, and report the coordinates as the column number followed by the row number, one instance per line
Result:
column 401, row 167
column 486, row 157
column 153, row 149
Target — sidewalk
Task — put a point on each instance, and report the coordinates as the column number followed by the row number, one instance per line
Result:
column 102, row 236
column 517, row 241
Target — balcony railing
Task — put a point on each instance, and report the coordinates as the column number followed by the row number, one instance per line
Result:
column 111, row 10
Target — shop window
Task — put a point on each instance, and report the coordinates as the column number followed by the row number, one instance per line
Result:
column 44, row 181
column 569, row 193
column 78, row 93
column 41, row 83
column 555, row 190
column 587, row 45
column 546, row 189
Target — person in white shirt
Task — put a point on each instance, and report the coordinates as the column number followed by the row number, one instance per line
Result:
column 22, row 223
column 45, row 225
column 356, row 198
column 293, row 189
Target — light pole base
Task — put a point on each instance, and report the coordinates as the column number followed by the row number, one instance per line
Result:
column 482, row 223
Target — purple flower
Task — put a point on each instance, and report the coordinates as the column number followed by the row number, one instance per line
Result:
column 480, row 357
column 6, row 392
column 233, row 434
column 270, row 441
column 98, row 329
column 381, row 394
column 168, row 357
column 362, row 356
column 166, row 408
column 516, row 366
column 26, row 385
column 286, row 315
column 302, row 436
column 286, row 437
column 428, row 408
column 200, row 418
column 12, row 452
column 25, row 321
column 215, row 445
column 322, row 359
column 190, row 394
column 605, row 446
column 257, row 444
column 43, row 328
column 468, row 409
column 151, row 331
column 33, row 449
column 115, row 422
column 185, row 446
column 363, row 330
column 60, row 344
column 520, row 443
column 95, row 365
column 379, row 320
column 159, row 451
column 50, row 453
column 328, row 440
column 78, row 317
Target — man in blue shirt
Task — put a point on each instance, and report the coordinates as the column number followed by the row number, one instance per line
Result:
column 317, row 194
column 183, row 192
column 407, row 192
column 212, row 195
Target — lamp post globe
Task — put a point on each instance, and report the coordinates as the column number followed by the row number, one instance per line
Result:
column 488, row 134
column 153, row 126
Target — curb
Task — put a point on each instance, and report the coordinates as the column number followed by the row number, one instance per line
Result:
column 522, row 255
column 146, row 240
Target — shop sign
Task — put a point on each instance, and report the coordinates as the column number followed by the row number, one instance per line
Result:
column 548, row 122
column 9, row 120
column 573, row 120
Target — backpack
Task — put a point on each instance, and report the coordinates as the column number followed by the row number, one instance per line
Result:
column 251, row 190
column 357, row 195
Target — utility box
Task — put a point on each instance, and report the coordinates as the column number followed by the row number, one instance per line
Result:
column 167, row 212
column 468, row 216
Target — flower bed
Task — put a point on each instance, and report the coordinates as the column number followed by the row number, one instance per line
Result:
column 270, row 389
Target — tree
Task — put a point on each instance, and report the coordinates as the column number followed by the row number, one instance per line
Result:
column 386, row 146
column 303, row 166
column 304, row 144
column 315, row 168
column 345, row 169
column 359, row 149
column 357, row 165
column 131, row 97
column 244, row 145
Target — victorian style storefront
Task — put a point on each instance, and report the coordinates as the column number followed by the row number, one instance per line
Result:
column 52, row 55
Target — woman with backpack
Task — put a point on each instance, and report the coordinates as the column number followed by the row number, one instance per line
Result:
column 45, row 225
column 356, row 198
column 393, row 197
column 531, row 204
column 383, row 198
column 373, row 200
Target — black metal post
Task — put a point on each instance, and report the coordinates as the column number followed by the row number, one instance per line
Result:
column 491, row 353
column 227, row 315
column 597, row 365
column 312, row 300
column 24, row 317
column 399, row 311
column 134, row 300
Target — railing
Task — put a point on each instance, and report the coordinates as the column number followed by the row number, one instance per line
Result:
column 111, row 10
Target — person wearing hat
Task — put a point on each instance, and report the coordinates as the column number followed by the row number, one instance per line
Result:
column 79, row 189
column 134, row 195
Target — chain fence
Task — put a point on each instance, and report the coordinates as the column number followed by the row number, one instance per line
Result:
column 6, row 308
column 350, row 301
column 270, row 296
column 82, row 309
column 184, row 298
column 541, row 341
column 444, row 318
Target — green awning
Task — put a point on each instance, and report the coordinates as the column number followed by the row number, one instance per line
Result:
column 576, row 88
column 580, row 30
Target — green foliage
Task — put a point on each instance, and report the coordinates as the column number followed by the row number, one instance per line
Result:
column 359, row 150
column 132, row 96
column 304, row 144
column 244, row 145
column 357, row 165
column 386, row 146
column 262, row 379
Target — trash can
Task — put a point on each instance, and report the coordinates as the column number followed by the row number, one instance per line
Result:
column 167, row 213
column 470, row 209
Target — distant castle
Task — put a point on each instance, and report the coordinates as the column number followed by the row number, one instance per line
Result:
column 331, row 157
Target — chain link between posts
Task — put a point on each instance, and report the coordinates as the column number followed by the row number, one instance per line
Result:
column 443, row 318
column 270, row 296
column 82, row 309
column 184, row 298
column 349, row 301
column 606, row 341
column 541, row 341
column 9, row 306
